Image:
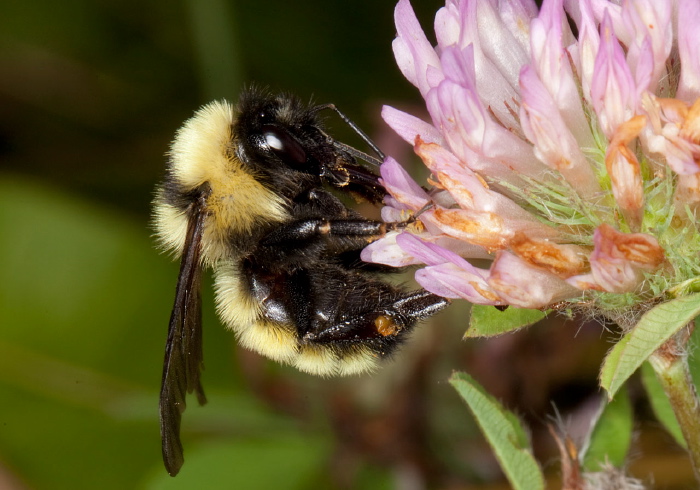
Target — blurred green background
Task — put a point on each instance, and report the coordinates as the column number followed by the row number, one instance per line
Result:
column 91, row 94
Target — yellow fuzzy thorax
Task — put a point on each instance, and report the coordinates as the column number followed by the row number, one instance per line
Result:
column 203, row 152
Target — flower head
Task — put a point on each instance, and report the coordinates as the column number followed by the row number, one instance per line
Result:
column 563, row 145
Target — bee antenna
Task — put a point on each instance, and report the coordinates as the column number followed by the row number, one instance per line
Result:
column 361, row 134
column 423, row 210
column 357, row 153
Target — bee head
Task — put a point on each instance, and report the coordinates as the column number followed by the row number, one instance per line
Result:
column 283, row 139
column 279, row 134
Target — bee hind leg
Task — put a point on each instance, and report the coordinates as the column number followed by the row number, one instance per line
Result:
column 381, row 324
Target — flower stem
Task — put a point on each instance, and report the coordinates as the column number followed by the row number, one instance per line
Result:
column 670, row 362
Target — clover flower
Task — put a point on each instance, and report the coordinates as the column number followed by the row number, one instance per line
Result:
column 563, row 146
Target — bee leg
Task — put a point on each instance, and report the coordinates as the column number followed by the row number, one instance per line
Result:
column 350, row 311
column 329, row 304
column 384, row 323
column 353, row 233
column 420, row 304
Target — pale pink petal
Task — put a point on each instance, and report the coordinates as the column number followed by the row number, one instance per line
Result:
column 472, row 134
column 434, row 249
column 613, row 10
column 447, row 273
column 516, row 15
column 649, row 23
column 458, row 247
column 400, row 249
column 644, row 68
column 681, row 155
column 497, row 43
column 496, row 82
column 429, row 253
column 409, row 127
column 450, row 281
column 555, row 145
column 414, row 53
column 465, row 116
column 671, row 133
column 387, row 251
column 625, row 174
column 401, row 186
column 584, row 282
column 520, row 284
column 458, row 66
column 588, row 45
column 612, row 88
column 551, row 63
column 448, row 24
column 689, row 49
column 405, row 60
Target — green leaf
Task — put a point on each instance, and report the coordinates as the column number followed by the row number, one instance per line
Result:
column 654, row 328
column 504, row 433
column 660, row 404
column 488, row 321
column 611, row 436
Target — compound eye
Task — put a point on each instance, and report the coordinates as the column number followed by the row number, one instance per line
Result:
column 283, row 145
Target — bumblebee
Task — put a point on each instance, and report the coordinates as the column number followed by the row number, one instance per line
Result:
column 247, row 193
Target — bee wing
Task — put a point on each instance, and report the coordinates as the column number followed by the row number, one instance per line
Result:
column 183, row 349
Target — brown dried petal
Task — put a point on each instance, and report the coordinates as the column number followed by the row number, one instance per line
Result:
column 563, row 260
column 478, row 228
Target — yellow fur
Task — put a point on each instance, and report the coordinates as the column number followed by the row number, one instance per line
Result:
column 203, row 152
column 362, row 361
column 319, row 360
column 170, row 224
column 242, row 314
